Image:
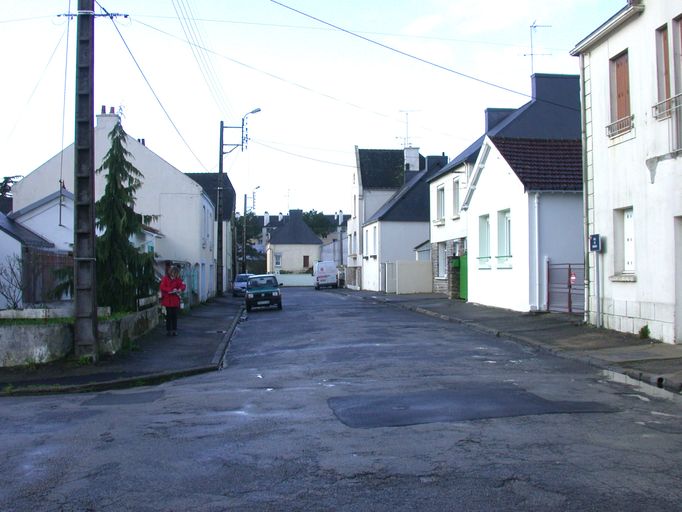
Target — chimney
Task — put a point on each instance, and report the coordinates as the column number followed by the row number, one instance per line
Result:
column 107, row 121
column 280, row 217
column 104, row 109
column 411, row 159
column 560, row 89
column 111, row 111
column 266, row 218
column 494, row 116
column 340, row 217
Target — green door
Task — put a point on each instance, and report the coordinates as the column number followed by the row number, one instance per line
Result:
column 463, row 277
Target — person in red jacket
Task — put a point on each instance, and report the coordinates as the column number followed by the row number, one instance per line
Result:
column 171, row 287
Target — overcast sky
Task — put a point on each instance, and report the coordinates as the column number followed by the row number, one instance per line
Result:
column 335, row 74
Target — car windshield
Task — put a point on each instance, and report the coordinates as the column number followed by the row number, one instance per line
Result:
column 241, row 278
column 262, row 282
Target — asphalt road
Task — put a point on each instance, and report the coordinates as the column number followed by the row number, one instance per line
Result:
column 336, row 403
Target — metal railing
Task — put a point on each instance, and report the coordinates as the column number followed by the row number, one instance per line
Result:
column 671, row 110
column 619, row 127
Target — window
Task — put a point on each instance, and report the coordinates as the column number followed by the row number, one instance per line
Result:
column 442, row 259
column 621, row 119
column 663, row 65
column 278, row 259
column 624, row 242
column 455, row 197
column 440, row 203
column 484, row 241
column 306, row 261
column 504, row 253
column 374, row 240
column 365, row 247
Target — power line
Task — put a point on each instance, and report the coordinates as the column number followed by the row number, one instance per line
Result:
column 158, row 100
column 303, row 156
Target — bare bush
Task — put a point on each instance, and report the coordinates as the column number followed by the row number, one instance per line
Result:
column 11, row 281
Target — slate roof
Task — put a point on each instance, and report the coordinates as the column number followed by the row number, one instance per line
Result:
column 544, row 165
column 294, row 231
column 210, row 181
column 381, row 168
column 552, row 113
column 411, row 202
column 22, row 234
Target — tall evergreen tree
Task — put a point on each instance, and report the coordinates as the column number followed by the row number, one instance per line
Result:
column 123, row 273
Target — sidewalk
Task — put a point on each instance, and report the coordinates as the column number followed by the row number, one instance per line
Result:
column 646, row 361
column 204, row 334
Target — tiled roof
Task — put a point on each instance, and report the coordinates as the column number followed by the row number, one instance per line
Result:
column 550, row 165
column 210, row 181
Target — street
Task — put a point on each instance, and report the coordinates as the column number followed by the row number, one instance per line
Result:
column 340, row 403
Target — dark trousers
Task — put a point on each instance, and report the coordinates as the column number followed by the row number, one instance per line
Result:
column 171, row 319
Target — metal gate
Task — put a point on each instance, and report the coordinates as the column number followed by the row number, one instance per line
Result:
column 566, row 287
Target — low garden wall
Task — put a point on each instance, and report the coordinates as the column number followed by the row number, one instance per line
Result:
column 36, row 344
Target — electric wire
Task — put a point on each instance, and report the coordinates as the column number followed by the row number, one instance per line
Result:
column 156, row 97
column 61, row 154
column 302, row 156
column 420, row 59
column 198, row 48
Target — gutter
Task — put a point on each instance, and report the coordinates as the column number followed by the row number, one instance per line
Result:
column 633, row 9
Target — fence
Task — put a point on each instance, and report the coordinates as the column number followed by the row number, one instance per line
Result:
column 566, row 287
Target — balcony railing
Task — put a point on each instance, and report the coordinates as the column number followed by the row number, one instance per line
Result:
column 619, row 127
column 665, row 108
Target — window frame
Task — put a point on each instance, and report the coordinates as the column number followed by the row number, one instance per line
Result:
column 621, row 106
column 484, row 242
column 504, row 232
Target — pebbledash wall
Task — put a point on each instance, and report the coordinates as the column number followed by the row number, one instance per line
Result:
column 38, row 344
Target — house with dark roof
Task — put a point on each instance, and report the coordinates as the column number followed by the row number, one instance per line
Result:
column 510, row 205
column 293, row 247
column 16, row 241
column 392, row 232
column 379, row 174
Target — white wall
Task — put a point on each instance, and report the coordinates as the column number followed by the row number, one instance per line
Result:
column 46, row 221
column 498, row 189
column 292, row 256
column 186, row 214
column 455, row 225
column 619, row 178
column 413, row 277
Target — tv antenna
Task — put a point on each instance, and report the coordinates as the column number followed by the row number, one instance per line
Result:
column 533, row 27
column 406, row 139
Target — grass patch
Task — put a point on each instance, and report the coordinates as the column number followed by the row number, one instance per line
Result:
column 36, row 321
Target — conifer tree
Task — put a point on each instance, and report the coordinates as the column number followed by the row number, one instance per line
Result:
column 123, row 273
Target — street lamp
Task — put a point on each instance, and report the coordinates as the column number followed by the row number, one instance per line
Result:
column 219, row 202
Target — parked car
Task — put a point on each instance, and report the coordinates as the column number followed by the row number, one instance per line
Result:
column 239, row 284
column 325, row 274
column 263, row 290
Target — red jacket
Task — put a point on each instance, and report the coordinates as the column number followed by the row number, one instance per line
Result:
column 168, row 299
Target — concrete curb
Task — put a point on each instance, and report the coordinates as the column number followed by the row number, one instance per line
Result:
column 644, row 378
column 131, row 382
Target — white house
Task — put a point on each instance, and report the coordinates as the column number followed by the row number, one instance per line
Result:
column 391, row 234
column 185, row 212
column 524, row 210
column 379, row 174
column 293, row 247
column 631, row 80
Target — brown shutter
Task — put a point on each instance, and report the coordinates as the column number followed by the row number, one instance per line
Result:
column 622, row 87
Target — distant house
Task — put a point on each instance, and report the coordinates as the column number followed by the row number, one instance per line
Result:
column 185, row 211
column 20, row 246
column 293, row 247
column 391, row 234
column 632, row 117
column 379, row 174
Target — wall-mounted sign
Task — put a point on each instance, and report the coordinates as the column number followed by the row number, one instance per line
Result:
column 595, row 243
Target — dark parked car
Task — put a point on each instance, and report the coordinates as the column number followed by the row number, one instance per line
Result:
column 239, row 285
column 262, row 291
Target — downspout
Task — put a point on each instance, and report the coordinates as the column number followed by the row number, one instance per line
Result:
column 536, row 222
column 586, row 226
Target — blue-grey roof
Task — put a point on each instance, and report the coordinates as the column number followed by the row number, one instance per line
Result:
column 411, row 202
column 294, row 231
column 22, row 234
column 553, row 113
column 40, row 202
column 210, row 182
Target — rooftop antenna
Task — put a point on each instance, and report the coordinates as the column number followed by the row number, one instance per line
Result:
column 406, row 139
column 533, row 27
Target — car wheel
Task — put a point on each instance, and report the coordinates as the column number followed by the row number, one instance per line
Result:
column 279, row 306
column 248, row 308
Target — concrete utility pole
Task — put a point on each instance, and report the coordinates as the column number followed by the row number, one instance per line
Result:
column 84, row 270
column 219, row 215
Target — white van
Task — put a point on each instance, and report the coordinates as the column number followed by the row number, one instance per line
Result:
column 324, row 273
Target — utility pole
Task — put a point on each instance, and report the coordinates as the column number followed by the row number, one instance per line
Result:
column 84, row 270
column 219, row 215
column 244, row 239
